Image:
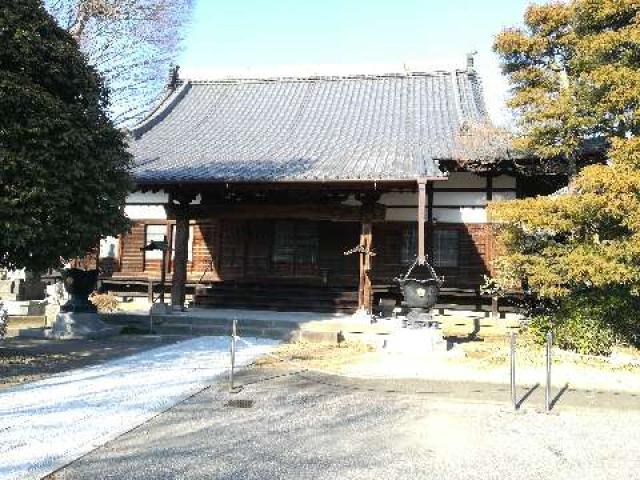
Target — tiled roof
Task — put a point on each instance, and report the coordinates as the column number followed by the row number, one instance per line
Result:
column 382, row 127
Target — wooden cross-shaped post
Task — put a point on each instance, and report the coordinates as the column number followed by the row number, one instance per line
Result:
column 366, row 253
column 365, row 249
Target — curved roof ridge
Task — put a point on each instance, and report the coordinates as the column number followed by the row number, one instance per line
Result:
column 161, row 110
column 318, row 77
column 469, row 86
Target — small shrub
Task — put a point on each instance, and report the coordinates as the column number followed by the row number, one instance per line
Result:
column 538, row 327
column 591, row 322
column 104, row 302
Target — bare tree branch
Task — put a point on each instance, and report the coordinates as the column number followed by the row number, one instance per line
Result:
column 132, row 43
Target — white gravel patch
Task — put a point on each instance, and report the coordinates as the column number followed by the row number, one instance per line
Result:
column 46, row 424
column 454, row 367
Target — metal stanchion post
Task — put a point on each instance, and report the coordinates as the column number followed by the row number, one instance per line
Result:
column 232, row 351
column 514, row 401
column 547, row 391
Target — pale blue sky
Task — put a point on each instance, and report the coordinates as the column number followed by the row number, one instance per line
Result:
column 260, row 34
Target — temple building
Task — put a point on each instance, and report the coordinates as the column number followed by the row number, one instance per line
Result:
column 310, row 193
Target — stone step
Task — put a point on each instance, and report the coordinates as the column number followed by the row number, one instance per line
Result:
column 225, row 323
column 481, row 327
column 187, row 329
column 34, row 333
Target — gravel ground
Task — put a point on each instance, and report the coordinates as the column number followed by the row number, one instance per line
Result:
column 48, row 423
column 306, row 426
column 28, row 360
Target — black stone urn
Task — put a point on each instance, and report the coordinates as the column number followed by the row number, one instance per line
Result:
column 79, row 284
column 420, row 286
column 421, row 293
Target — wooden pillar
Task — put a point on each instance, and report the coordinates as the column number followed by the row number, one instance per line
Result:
column 422, row 198
column 178, row 208
column 181, row 255
column 489, row 238
column 365, row 288
column 430, row 223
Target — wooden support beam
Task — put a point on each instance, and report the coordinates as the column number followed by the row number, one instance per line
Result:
column 422, row 199
column 489, row 188
column 336, row 213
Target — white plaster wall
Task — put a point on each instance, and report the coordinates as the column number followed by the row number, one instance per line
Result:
column 460, row 198
column 153, row 198
column 145, row 212
column 147, row 197
column 460, row 215
column 471, row 204
column 440, row 215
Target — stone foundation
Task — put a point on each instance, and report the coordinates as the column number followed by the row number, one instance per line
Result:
column 71, row 325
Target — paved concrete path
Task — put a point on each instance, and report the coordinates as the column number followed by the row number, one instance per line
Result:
column 48, row 423
column 309, row 426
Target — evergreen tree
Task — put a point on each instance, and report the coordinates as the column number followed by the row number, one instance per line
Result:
column 63, row 166
column 574, row 69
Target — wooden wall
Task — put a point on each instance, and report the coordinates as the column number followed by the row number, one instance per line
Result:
column 476, row 256
column 241, row 250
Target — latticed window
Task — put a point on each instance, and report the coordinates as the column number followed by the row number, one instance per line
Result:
column 446, row 248
column 295, row 243
column 409, row 248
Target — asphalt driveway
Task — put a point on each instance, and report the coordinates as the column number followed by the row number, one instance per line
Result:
column 305, row 426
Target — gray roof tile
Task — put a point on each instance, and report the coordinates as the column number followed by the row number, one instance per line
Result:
column 383, row 127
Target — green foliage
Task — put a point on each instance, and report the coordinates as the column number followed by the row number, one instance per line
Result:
column 591, row 322
column 63, row 166
column 492, row 287
column 575, row 72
